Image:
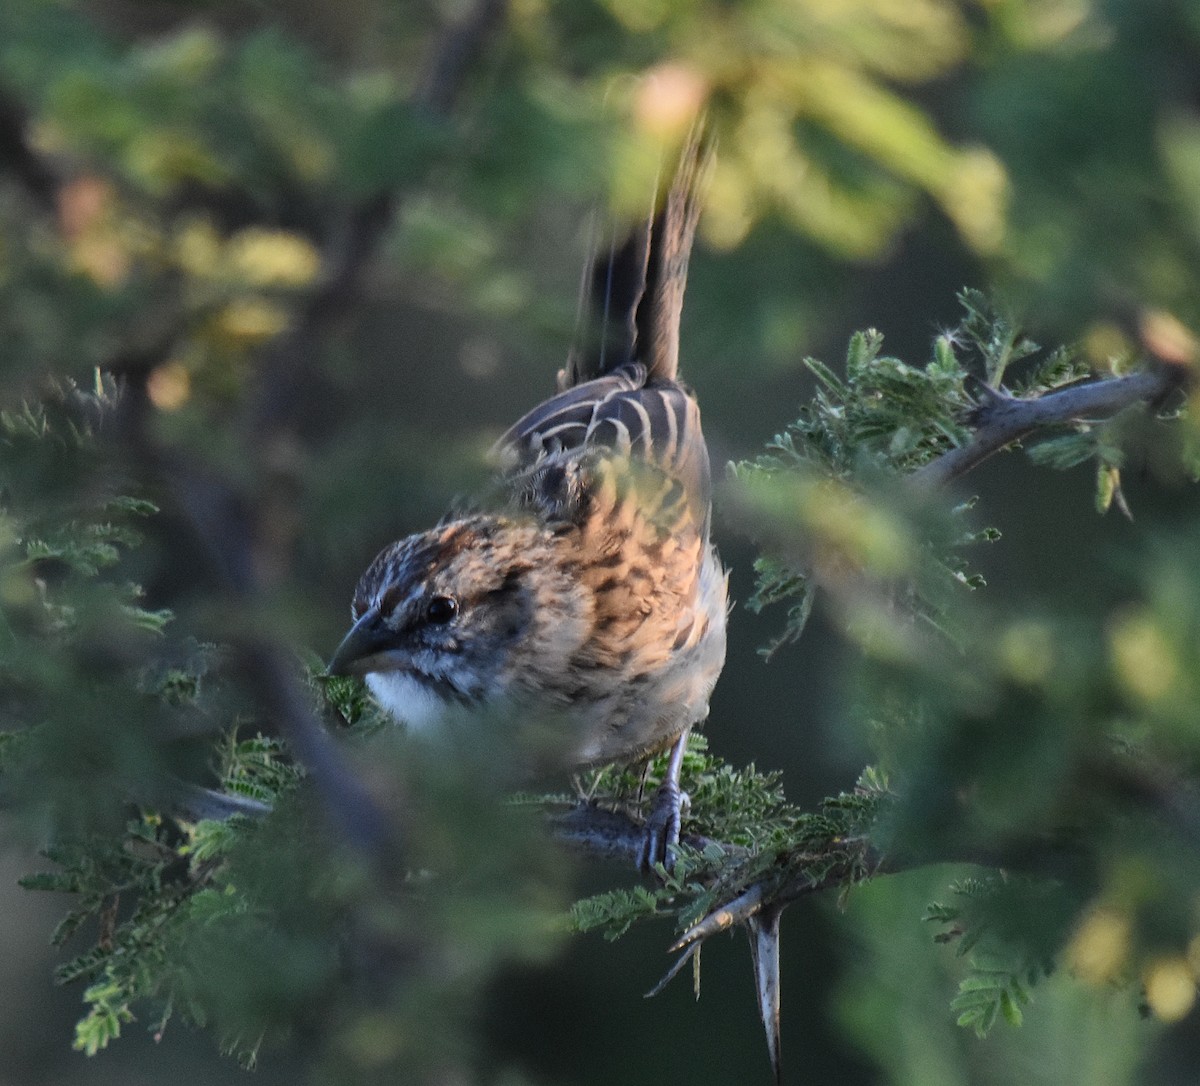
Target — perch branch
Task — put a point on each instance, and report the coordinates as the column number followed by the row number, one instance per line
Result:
column 1002, row 419
column 612, row 835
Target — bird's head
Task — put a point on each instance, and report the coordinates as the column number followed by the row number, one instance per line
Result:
column 446, row 617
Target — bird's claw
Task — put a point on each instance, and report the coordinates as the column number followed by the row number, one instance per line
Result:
column 661, row 837
column 660, row 840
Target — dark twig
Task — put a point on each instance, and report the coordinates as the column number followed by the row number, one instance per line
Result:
column 1002, row 419
column 356, row 816
column 193, row 802
column 218, row 528
column 290, row 361
column 457, row 50
column 616, row 836
column 21, row 161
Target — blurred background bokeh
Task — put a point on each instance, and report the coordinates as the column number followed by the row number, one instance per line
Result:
column 178, row 178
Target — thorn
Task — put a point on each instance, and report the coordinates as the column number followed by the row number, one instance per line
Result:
column 989, row 398
column 741, row 908
column 673, row 972
column 763, row 929
column 988, row 402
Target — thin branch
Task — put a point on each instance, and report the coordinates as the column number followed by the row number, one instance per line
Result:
column 360, row 821
column 457, row 50
column 674, row 971
column 616, row 836
column 217, row 526
column 21, row 161
column 290, row 360
column 192, row 802
column 1002, row 419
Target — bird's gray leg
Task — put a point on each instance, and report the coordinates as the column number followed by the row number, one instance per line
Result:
column 666, row 814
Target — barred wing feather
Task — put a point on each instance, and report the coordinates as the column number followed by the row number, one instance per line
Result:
column 654, row 426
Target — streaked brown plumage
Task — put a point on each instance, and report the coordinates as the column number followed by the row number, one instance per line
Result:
column 596, row 595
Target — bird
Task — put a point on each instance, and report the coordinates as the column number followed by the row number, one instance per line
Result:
column 594, row 595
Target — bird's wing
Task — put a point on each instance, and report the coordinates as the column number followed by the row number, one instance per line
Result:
column 653, row 427
column 562, row 423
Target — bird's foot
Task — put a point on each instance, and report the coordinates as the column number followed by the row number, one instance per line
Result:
column 661, row 835
column 660, row 841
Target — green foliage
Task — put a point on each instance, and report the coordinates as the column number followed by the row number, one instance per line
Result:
column 999, row 341
column 256, row 263
column 179, row 905
column 1003, row 735
column 233, row 925
column 1007, row 929
column 256, row 768
column 130, row 958
column 885, row 414
column 990, row 990
column 614, row 912
column 830, row 475
column 77, row 633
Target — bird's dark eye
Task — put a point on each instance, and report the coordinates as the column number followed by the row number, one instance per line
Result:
column 441, row 610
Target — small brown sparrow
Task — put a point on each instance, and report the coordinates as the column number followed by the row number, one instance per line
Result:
column 595, row 597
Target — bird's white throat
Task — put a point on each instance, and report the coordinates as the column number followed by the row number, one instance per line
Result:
column 407, row 699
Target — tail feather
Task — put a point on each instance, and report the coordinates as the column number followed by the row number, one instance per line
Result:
column 629, row 402
column 637, row 286
column 661, row 306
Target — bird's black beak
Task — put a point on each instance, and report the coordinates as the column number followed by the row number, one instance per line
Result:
column 368, row 637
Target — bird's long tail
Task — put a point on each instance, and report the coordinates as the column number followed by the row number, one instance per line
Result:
column 660, row 308
column 638, row 286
